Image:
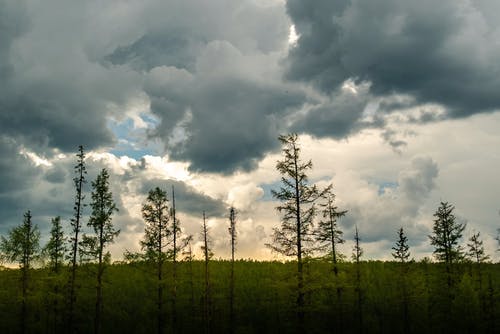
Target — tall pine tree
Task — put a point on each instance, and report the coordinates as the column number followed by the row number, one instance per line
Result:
column 103, row 206
column 76, row 226
column 155, row 213
column 22, row 246
column 294, row 237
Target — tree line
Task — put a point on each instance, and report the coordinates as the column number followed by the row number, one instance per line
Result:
column 300, row 236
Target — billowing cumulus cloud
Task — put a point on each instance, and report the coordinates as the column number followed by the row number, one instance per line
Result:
column 436, row 52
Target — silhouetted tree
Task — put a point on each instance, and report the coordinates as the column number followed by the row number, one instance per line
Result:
column 79, row 181
column 232, row 234
column 56, row 250
column 357, row 252
column 155, row 213
column 294, row 237
column 328, row 233
column 402, row 254
column 447, row 232
column 22, row 246
column 176, row 230
column 56, row 246
column 401, row 249
column 207, row 254
column 476, row 251
column 103, row 206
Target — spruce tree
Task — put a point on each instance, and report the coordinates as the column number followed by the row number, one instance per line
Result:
column 56, row 246
column 402, row 254
column 22, row 246
column 103, row 207
column 232, row 234
column 357, row 252
column 207, row 255
column 79, row 180
column 328, row 232
column 157, row 232
column 476, row 250
column 294, row 237
column 447, row 233
column 401, row 249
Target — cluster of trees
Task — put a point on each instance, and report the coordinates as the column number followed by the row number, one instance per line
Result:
column 300, row 235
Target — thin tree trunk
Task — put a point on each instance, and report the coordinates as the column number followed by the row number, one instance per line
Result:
column 207, row 302
column 100, row 270
column 300, row 272
column 174, row 266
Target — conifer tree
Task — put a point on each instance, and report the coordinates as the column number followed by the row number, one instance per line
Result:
column 175, row 249
column 56, row 246
column 401, row 249
column 207, row 254
column 402, row 254
column 155, row 213
column 56, row 250
column 232, row 234
column 294, row 237
column 357, row 252
column 79, row 180
column 476, row 250
column 103, row 207
column 447, row 233
column 22, row 246
column 477, row 254
column 328, row 232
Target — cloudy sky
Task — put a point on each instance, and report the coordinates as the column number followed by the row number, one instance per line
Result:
column 396, row 102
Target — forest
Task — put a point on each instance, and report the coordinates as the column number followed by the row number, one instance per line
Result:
column 71, row 284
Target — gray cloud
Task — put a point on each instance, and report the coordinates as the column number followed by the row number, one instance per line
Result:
column 436, row 52
column 187, row 199
column 379, row 215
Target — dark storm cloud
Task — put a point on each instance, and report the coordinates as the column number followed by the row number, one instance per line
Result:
column 53, row 95
column 339, row 117
column 438, row 52
column 157, row 49
column 187, row 199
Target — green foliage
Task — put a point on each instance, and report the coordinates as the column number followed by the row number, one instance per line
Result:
column 447, row 233
column 56, row 248
column 328, row 233
column 22, row 244
column 401, row 249
column 103, row 207
column 264, row 299
column 294, row 237
column 157, row 232
column 357, row 250
column 476, row 251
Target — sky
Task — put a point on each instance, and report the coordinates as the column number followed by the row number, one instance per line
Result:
column 396, row 103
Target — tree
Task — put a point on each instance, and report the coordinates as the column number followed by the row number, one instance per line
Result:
column 155, row 213
column 447, row 232
column 402, row 254
column 103, row 207
column 56, row 250
column 357, row 252
column 56, row 246
column 294, row 237
column 401, row 249
column 207, row 254
column 476, row 251
column 232, row 234
column 79, row 181
column 175, row 249
column 328, row 232
column 22, row 246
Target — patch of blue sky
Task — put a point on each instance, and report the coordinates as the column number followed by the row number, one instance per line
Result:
column 267, row 187
column 384, row 186
column 132, row 141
